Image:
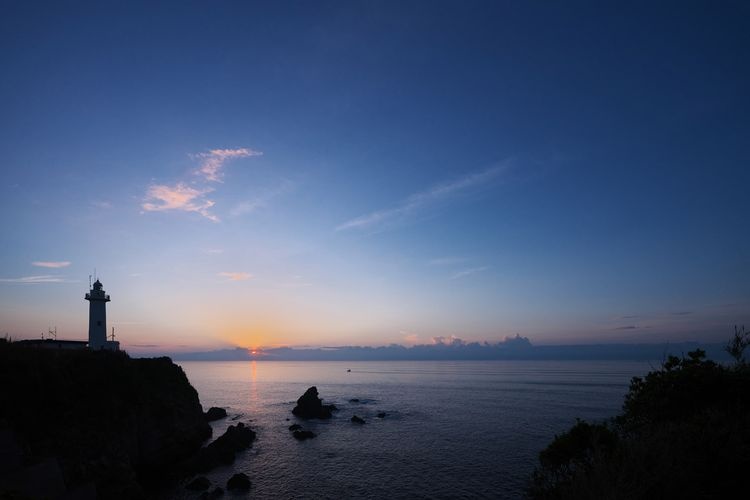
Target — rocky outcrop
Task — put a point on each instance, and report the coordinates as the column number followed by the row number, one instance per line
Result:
column 309, row 405
column 239, row 482
column 200, row 483
column 357, row 420
column 217, row 492
column 222, row 451
column 215, row 413
column 301, row 435
column 119, row 423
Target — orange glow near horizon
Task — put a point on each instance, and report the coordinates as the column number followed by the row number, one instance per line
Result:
column 251, row 337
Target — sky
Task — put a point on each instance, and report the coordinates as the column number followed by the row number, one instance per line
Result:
column 265, row 174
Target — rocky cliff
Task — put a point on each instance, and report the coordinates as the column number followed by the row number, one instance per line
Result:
column 115, row 423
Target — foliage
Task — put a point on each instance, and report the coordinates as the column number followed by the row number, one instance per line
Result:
column 736, row 346
column 684, row 431
column 571, row 455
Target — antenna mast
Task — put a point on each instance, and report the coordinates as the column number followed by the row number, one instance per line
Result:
column 113, row 334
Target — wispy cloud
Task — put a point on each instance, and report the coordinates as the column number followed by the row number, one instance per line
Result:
column 161, row 197
column 49, row 263
column 235, row 276
column 214, row 251
column 247, row 207
column 214, row 160
column 446, row 261
column 35, row 280
column 467, row 272
column 262, row 200
column 410, row 338
column 191, row 197
column 292, row 282
column 420, row 201
column 101, row 204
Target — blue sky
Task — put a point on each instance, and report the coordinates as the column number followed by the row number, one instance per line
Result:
column 361, row 173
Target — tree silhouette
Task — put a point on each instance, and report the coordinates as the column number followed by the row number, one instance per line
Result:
column 683, row 433
column 736, row 346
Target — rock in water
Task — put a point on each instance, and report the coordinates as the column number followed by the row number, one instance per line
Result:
column 223, row 449
column 302, row 435
column 218, row 492
column 239, row 481
column 309, row 405
column 382, row 414
column 215, row 413
column 295, row 427
column 200, row 483
column 357, row 420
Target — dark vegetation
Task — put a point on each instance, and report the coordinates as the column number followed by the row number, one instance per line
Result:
column 106, row 420
column 684, row 432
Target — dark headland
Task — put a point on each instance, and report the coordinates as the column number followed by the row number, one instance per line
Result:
column 100, row 425
column 684, row 432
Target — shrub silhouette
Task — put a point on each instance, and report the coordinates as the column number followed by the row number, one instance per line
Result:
column 684, row 432
column 736, row 347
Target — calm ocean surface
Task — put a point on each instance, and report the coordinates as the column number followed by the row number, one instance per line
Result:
column 454, row 429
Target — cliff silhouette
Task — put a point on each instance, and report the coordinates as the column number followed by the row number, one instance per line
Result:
column 684, row 432
column 98, row 422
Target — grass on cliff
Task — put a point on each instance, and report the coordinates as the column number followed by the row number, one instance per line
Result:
column 684, row 432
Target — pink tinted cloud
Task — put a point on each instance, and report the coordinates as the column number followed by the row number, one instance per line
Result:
column 51, row 264
column 236, row 276
column 35, row 280
column 161, row 197
column 214, row 160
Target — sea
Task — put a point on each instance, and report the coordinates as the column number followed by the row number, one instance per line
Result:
column 452, row 429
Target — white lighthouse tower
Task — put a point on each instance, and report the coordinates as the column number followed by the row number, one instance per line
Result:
column 98, row 319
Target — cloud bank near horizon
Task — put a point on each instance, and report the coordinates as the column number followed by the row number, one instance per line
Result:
column 452, row 348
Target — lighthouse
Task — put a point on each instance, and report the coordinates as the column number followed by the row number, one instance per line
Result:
column 98, row 319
